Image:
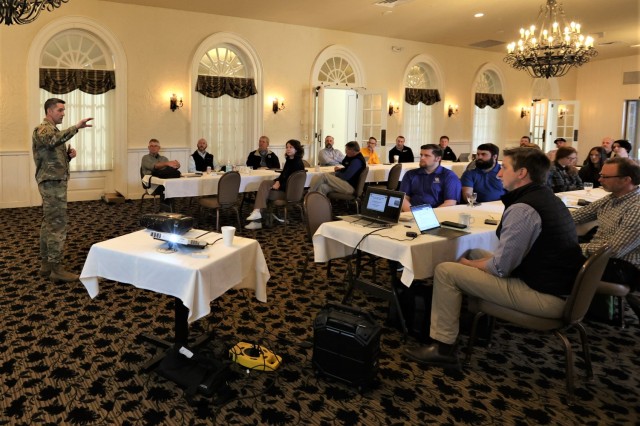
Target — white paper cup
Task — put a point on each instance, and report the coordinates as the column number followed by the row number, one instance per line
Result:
column 396, row 158
column 227, row 235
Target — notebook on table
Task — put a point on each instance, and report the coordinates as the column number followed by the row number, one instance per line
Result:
column 428, row 223
column 380, row 207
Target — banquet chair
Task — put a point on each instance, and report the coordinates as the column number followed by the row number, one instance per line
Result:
column 576, row 305
column 464, row 157
column 227, row 197
column 318, row 211
column 394, row 177
column 294, row 193
column 306, row 163
column 620, row 292
column 145, row 192
column 357, row 193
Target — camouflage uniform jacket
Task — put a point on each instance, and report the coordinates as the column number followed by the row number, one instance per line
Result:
column 49, row 151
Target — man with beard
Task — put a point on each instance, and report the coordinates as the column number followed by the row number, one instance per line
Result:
column 483, row 178
column 329, row 156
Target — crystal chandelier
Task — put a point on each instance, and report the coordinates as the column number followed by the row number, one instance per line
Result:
column 552, row 47
column 25, row 11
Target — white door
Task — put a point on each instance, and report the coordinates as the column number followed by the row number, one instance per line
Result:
column 563, row 120
column 335, row 114
column 373, row 116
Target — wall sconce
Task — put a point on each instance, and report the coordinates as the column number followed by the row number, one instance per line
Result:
column 175, row 103
column 277, row 105
column 453, row 109
column 524, row 112
column 393, row 109
column 562, row 111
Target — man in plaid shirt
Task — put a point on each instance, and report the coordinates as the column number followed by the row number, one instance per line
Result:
column 618, row 216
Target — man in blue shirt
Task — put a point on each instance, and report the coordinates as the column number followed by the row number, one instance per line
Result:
column 430, row 184
column 483, row 178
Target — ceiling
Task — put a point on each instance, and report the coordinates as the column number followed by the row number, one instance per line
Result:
column 614, row 24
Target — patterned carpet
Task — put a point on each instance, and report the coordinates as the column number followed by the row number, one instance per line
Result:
column 68, row 359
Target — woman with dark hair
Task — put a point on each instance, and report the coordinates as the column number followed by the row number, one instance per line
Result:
column 622, row 148
column 276, row 189
column 563, row 175
column 590, row 171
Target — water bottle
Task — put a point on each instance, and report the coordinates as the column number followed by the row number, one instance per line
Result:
column 229, row 166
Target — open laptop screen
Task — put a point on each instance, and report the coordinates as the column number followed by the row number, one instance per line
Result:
column 382, row 204
column 425, row 217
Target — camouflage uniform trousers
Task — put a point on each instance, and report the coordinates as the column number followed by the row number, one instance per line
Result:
column 53, row 231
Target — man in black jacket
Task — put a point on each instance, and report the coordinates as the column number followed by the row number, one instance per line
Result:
column 404, row 153
column 535, row 263
column 201, row 159
column 263, row 157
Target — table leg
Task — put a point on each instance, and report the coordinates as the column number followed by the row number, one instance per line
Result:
column 382, row 292
column 180, row 332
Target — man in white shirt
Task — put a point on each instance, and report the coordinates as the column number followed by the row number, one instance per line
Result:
column 328, row 156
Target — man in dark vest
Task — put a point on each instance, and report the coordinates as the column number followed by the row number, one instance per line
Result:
column 201, row 159
column 345, row 178
column 534, row 265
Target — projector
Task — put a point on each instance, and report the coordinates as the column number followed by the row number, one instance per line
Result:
column 170, row 223
column 179, row 239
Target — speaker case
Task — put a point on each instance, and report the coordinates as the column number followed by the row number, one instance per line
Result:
column 346, row 344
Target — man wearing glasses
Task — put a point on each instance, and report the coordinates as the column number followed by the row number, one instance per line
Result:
column 618, row 216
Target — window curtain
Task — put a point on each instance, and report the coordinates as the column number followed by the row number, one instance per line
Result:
column 61, row 81
column 426, row 96
column 495, row 101
column 236, row 87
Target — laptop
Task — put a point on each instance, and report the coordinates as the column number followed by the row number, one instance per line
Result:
column 380, row 207
column 428, row 223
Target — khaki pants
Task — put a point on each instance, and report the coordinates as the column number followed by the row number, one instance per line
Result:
column 326, row 183
column 265, row 193
column 453, row 279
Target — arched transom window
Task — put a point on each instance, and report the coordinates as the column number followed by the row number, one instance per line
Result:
column 337, row 71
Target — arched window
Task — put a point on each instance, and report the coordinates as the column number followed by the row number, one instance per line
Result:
column 488, row 99
column 337, row 71
column 421, row 94
column 77, row 67
column 226, row 103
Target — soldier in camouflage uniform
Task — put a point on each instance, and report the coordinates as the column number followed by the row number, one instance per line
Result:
column 52, row 173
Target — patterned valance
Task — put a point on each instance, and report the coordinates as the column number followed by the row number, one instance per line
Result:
column 495, row 101
column 61, row 81
column 214, row 87
column 426, row 96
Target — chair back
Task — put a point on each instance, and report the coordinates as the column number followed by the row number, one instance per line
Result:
column 317, row 208
column 585, row 286
column 306, row 163
column 295, row 186
column 394, row 177
column 464, row 157
column 362, row 180
column 228, row 188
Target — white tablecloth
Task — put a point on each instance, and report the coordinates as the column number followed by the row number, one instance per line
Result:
column 418, row 256
column 207, row 184
column 134, row 259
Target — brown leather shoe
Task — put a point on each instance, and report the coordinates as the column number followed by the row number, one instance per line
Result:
column 45, row 268
column 58, row 273
column 433, row 355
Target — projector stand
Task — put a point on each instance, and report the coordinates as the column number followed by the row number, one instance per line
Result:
column 181, row 333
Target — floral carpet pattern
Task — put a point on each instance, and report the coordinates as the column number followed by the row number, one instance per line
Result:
column 68, row 359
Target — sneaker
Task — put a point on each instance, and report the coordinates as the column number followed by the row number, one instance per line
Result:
column 255, row 215
column 254, row 225
column 273, row 215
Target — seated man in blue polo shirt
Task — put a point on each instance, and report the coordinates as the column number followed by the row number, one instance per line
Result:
column 431, row 183
column 483, row 178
